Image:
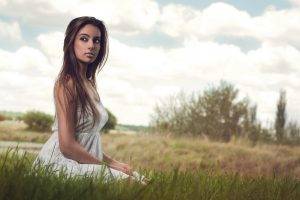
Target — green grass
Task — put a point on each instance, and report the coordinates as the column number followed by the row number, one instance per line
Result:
column 19, row 181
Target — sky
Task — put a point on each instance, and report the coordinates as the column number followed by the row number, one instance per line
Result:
column 156, row 49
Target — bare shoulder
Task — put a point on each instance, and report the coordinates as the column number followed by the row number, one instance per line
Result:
column 69, row 81
column 65, row 86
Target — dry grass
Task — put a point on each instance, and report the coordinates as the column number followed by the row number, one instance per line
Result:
column 163, row 153
column 16, row 131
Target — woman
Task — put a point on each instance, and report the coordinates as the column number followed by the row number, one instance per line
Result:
column 75, row 144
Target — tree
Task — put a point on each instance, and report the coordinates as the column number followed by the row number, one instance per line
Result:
column 254, row 126
column 280, row 116
column 216, row 113
column 223, row 112
column 111, row 123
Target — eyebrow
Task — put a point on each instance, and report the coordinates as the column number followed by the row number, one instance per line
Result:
column 89, row 36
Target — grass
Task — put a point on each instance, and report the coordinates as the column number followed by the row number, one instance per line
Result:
column 181, row 168
column 163, row 153
column 16, row 131
column 19, row 181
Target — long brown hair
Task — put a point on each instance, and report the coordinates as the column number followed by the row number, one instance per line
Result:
column 70, row 69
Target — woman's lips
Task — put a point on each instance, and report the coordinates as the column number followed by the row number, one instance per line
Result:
column 90, row 54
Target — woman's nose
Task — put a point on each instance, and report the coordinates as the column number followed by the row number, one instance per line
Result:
column 91, row 44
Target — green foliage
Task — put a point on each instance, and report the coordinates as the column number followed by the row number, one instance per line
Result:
column 223, row 112
column 19, row 181
column 38, row 121
column 280, row 117
column 254, row 128
column 217, row 113
column 111, row 123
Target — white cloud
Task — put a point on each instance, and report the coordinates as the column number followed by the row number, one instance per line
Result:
column 278, row 26
column 177, row 20
column 25, row 80
column 34, row 12
column 274, row 26
column 3, row 2
column 10, row 30
column 25, row 60
column 295, row 2
column 217, row 19
column 126, row 16
column 222, row 18
column 130, row 104
column 52, row 45
column 276, row 59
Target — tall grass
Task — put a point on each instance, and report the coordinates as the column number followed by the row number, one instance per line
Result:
column 18, row 180
column 163, row 153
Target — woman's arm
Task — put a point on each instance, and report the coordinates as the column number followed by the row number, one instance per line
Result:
column 108, row 159
column 68, row 145
column 73, row 150
column 116, row 164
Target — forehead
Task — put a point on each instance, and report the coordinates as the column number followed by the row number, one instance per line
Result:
column 91, row 30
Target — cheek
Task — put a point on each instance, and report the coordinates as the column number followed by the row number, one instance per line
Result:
column 98, row 48
column 77, row 48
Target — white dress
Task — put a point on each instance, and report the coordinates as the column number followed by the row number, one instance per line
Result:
column 90, row 139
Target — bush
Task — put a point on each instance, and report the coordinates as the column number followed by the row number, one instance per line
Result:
column 2, row 117
column 38, row 121
column 111, row 123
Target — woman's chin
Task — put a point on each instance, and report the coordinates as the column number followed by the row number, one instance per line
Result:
column 88, row 61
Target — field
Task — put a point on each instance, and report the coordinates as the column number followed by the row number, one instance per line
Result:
column 181, row 168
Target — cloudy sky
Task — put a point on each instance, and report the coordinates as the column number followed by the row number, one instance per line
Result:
column 157, row 48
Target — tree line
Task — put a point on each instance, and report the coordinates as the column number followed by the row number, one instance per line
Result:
column 219, row 114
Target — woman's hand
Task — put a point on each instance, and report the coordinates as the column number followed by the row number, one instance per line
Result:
column 121, row 167
column 126, row 168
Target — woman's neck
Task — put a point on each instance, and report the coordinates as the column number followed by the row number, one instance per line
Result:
column 82, row 70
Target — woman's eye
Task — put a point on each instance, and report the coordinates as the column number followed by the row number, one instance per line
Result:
column 83, row 39
column 97, row 41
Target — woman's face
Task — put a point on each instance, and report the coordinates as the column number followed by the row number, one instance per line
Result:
column 87, row 43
